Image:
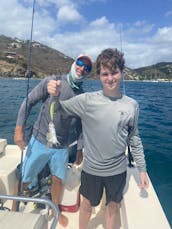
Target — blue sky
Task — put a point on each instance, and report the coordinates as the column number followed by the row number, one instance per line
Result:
column 141, row 28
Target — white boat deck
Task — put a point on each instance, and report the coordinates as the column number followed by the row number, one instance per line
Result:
column 96, row 222
column 139, row 209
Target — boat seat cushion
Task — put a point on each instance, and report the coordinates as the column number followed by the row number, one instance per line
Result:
column 18, row 220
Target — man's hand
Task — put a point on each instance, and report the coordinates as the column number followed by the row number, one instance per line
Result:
column 79, row 157
column 54, row 87
column 144, row 181
column 18, row 137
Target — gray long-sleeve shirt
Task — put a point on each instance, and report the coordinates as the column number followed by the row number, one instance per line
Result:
column 108, row 126
column 61, row 121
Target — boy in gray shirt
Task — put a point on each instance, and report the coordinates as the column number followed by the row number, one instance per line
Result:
column 110, row 123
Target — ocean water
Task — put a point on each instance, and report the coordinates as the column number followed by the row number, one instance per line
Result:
column 155, row 125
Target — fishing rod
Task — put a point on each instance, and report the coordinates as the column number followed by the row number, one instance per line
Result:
column 26, row 107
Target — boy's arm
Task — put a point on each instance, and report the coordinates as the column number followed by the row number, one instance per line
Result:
column 137, row 151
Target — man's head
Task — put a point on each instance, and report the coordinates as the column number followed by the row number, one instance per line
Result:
column 83, row 65
column 81, row 68
column 110, row 59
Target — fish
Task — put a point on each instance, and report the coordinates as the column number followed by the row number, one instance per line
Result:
column 51, row 135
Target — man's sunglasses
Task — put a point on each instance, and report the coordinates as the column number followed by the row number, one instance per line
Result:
column 80, row 63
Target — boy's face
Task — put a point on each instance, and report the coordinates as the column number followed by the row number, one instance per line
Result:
column 110, row 79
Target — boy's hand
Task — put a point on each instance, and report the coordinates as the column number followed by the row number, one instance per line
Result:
column 144, row 180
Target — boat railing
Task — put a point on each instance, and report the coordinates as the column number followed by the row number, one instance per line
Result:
column 46, row 202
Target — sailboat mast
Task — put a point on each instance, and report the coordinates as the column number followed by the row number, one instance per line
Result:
column 121, row 48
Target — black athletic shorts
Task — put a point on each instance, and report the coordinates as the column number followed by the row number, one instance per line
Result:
column 92, row 187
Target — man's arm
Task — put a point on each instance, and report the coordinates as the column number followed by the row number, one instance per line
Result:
column 37, row 94
column 19, row 138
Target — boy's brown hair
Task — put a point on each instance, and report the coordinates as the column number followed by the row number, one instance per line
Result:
column 111, row 59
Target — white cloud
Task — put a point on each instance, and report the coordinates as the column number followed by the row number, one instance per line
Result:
column 14, row 18
column 163, row 35
column 141, row 43
column 155, row 49
column 68, row 13
column 98, row 35
column 100, row 22
column 141, row 27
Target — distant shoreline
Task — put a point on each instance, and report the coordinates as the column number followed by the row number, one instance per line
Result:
column 152, row 81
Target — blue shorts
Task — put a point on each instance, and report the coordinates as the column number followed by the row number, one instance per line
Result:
column 38, row 155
